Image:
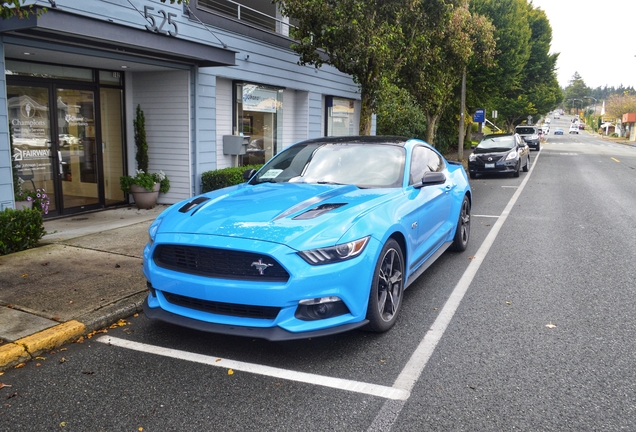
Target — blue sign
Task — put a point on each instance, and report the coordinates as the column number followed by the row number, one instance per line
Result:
column 479, row 116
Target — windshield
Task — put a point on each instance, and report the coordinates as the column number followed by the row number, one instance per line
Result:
column 363, row 165
column 502, row 143
column 526, row 130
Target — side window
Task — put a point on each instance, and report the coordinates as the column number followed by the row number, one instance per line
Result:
column 423, row 160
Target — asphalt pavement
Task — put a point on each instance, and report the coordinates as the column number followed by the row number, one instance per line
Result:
column 86, row 274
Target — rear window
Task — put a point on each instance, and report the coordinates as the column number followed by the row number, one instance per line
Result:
column 526, row 130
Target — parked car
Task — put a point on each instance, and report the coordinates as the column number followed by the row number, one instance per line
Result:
column 581, row 126
column 499, row 153
column 574, row 129
column 530, row 135
column 558, row 131
column 324, row 238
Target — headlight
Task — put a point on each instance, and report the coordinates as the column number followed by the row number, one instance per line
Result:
column 511, row 155
column 152, row 230
column 335, row 253
column 472, row 157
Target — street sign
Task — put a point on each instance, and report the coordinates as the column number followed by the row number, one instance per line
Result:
column 479, row 116
column 494, row 114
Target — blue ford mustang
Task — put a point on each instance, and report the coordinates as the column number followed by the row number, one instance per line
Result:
column 324, row 238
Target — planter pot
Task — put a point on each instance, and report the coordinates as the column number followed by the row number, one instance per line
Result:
column 145, row 199
column 22, row 205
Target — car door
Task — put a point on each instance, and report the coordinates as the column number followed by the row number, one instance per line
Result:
column 432, row 205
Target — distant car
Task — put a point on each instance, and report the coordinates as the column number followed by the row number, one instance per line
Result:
column 581, row 126
column 499, row 153
column 324, row 238
column 530, row 135
column 574, row 129
column 548, row 120
column 556, row 117
column 558, row 131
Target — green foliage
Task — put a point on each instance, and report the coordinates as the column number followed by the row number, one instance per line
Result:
column 145, row 180
column 218, row 179
column 140, row 140
column 20, row 230
column 11, row 8
column 399, row 114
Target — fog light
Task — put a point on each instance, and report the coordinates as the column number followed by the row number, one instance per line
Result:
column 320, row 308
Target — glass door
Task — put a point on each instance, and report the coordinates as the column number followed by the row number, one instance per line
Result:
column 30, row 125
column 77, row 148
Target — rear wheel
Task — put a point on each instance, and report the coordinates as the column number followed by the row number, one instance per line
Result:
column 387, row 288
column 473, row 175
column 462, row 232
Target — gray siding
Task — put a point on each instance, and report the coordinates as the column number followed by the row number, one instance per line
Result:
column 6, row 177
column 223, row 120
column 164, row 99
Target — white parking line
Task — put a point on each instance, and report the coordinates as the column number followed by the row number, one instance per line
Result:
column 337, row 383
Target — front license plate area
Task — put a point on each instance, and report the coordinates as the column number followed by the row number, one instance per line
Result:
column 490, row 165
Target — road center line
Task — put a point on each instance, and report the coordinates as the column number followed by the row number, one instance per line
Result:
column 337, row 383
column 390, row 411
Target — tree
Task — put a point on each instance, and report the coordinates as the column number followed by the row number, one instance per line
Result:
column 439, row 53
column 361, row 38
column 575, row 92
column 617, row 105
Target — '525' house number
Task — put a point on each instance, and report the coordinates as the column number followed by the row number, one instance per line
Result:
column 157, row 25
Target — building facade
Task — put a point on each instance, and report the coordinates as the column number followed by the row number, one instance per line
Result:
column 204, row 74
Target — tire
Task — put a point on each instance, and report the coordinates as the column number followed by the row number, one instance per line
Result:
column 473, row 175
column 387, row 288
column 518, row 168
column 462, row 232
column 526, row 167
column 538, row 147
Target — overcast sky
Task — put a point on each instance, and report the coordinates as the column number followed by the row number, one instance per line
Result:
column 596, row 38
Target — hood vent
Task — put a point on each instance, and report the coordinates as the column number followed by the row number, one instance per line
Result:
column 318, row 211
column 192, row 204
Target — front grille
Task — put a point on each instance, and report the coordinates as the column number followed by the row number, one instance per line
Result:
column 219, row 263
column 484, row 159
column 237, row 310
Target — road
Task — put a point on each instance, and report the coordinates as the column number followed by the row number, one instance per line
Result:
column 532, row 328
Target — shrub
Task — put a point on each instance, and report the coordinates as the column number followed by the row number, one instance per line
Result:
column 614, row 135
column 20, row 230
column 218, row 179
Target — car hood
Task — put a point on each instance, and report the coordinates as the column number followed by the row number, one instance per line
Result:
column 297, row 215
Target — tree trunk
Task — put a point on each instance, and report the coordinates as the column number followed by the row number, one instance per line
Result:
column 366, row 111
column 431, row 123
column 462, row 109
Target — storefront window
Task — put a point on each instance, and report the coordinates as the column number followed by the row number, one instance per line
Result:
column 340, row 117
column 259, row 117
column 39, row 70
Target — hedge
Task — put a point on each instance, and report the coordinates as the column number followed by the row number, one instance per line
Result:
column 20, row 230
column 218, row 179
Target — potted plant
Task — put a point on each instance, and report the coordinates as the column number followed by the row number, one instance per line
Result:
column 26, row 199
column 144, row 186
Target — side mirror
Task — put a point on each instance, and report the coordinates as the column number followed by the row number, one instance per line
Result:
column 431, row 178
column 473, row 147
column 248, row 174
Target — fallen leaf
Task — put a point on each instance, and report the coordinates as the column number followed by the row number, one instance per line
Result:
column 136, row 315
column 550, row 325
column 63, row 359
column 40, row 358
column 63, row 424
column 88, row 372
column 471, row 258
column 2, row 385
column 230, row 372
column 508, row 303
column 218, row 360
column 25, row 275
column 19, row 365
column 38, row 365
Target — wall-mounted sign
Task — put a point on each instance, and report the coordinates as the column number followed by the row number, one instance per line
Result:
column 259, row 99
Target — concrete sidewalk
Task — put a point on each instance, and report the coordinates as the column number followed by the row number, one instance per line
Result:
column 85, row 275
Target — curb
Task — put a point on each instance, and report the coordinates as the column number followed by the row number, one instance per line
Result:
column 29, row 347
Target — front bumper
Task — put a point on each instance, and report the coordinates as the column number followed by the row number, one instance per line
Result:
column 348, row 280
column 481, row 167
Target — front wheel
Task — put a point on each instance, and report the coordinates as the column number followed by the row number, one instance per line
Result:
column 462, row 232
column 526, row 167
column 387, row 288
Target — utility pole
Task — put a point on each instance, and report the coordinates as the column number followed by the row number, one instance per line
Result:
column 462, row 110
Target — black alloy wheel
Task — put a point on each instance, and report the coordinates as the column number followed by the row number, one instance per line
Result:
column 462, row 232
column 387, row 288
